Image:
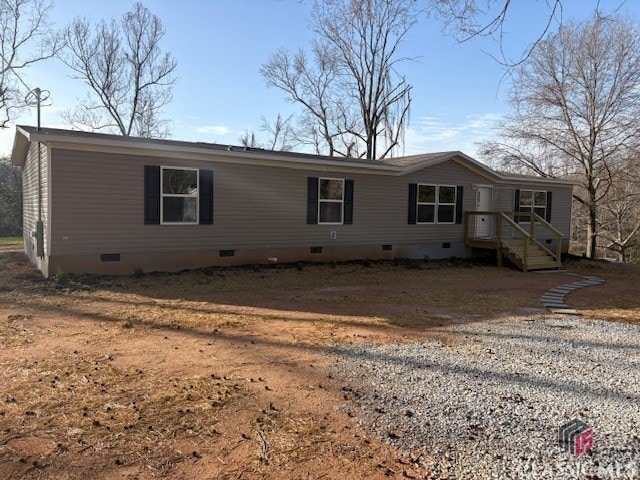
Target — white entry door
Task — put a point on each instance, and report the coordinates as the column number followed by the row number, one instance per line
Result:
column 483, row 204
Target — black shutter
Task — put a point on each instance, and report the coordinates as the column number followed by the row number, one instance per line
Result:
column 312, row 200
column 151, row 195
column 516, row 206
column 348, row 202
column 459, row 199
column 413, row 203
column 548, row 219
column 206, row 197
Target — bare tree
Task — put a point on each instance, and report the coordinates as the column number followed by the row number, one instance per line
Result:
column 129, row 76
column 366, row 34
column 26, row 37
column 311, row 83
column 620, row 219
column 280, row 135
column 575, row 110
column 354, row 101
column 248, row 139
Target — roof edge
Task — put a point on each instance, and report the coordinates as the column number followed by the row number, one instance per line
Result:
column 391, row 166
column 235, row 152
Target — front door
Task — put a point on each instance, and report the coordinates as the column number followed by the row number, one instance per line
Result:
column 483, row 204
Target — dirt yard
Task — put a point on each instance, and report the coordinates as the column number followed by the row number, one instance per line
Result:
column 220, row 373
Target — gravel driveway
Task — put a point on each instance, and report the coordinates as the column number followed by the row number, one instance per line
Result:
column 488, row 402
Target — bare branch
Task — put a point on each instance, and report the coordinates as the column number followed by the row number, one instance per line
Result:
column 26, row 38
column 248, row 139
column 281, row 135
column 129, row 76
column 469, row 19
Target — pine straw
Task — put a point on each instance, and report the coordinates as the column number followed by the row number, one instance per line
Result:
column 289, row 439
column 89, row 403
column 13, row 332
column 180, row 314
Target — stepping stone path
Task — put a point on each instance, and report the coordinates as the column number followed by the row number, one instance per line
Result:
column 553, row 299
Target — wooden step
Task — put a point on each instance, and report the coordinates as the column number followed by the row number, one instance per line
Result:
column 531, row 253
column 543, row 266
column 537, row 257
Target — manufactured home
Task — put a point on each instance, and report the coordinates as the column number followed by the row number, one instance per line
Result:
column 96, row 203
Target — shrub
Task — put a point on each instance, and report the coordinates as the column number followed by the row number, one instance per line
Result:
column 60, row 277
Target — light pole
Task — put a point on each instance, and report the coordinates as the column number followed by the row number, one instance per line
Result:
column 35, row 98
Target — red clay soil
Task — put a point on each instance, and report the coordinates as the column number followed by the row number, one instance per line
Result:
column 217, row 374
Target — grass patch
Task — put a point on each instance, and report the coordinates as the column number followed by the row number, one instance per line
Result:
column 10, row 241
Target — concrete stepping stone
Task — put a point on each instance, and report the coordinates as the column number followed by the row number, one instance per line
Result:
column 553, row 299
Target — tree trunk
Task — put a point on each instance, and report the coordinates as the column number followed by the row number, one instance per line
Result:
column 592, row 235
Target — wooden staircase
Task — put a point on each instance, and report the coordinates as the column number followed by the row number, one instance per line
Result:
column 536, row 257
column 498, row 231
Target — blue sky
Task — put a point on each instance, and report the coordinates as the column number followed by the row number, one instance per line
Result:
column 459, row 92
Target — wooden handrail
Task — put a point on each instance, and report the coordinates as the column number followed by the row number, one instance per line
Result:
column 513, row 224
column 535, row 218
column 553, row 229
column 556, row 232
column 505, row 218
column 527, row 237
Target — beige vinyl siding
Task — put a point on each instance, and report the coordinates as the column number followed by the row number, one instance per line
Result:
column 30, row 192
column 99, row 206
column 503, row 198
column 561, row 199
column 30, row 201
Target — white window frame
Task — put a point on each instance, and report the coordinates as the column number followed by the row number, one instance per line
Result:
column 436, row 204
column 321, row 200
column 182, row 195
column 533, row 206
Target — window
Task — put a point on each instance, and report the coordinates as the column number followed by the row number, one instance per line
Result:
column 446, row 204
column 426, row 203
column 532, row 201
column 436, row 204
column 330, row 200
column 179, row 195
